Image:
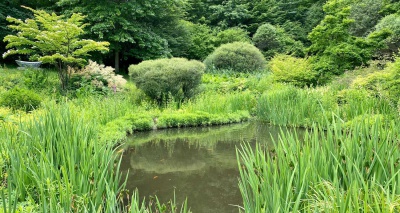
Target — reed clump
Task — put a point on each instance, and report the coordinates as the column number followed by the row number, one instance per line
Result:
column 331, row 169
column 54, row 163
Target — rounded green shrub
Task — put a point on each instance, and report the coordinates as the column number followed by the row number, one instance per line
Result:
column 272, row 39
column 236, row 56
column 160, row 79
column 391, row 23
column 20, row 99
column 297, row 71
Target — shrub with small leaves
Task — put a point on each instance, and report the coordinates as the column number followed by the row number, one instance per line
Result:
column 20, row 99
column 162, row 78
column 236, row 56
column 297, row 71
column 384, row 84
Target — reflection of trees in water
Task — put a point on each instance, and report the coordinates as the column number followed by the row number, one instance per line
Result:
column 192, row 149
column 182, row 156
column 197, row 163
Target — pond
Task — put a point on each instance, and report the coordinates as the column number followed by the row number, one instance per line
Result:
column 196, row 163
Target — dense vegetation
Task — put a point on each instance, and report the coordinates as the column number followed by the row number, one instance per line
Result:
column 319, row 64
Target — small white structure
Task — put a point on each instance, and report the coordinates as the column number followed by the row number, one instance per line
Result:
column 28, row 64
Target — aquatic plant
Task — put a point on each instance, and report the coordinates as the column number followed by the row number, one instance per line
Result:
column 331, row 169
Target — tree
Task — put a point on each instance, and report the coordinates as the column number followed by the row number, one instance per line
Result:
column 335, row 48
column 52, row 39
column 391, row 23
column 365, row 15
column 135, row 28
column 271, row 39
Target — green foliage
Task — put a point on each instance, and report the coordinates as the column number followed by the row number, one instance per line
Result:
column 271, row 40
column 391, row 23
column 160, row 78
column 291, row 106
column 237, row 56
column 20, row 99
column 366, row 15
column 231, row 35
column 370, row 120
column 384, row 84
column 42, row 39
column 118, row 129
column 324, row 170
column 296, row 71
column 336, row 50
column 200, row 41
column 35, row 79
column 136, row 29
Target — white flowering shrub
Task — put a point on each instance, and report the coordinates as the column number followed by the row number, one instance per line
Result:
column 98, row 76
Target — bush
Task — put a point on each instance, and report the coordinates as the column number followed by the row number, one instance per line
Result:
column 231, row 35
column 392, row 23
column 161, row 78
column 383, row 84
column 35, row 79
column 20, row 99
column 271, row 40
column 237, row 56
column 94, row 78
column 297, row 71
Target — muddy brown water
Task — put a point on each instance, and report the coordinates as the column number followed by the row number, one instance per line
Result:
column 199, row 164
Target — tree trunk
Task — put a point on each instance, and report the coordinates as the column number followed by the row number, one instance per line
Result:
column 116, row 61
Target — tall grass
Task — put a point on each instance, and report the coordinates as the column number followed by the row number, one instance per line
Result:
column 222, row 103
column 56, row 163
column 329, row 170
column 291, row 106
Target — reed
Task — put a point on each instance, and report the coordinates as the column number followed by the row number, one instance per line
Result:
column 331, row 169
column 56, row 162
column 290, row 106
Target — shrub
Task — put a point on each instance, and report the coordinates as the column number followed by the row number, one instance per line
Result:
column 231, row 35
column 271, row 40
column 20, row 99
column 161, row 78
column 384, row 84
column 97, row 77
column 237, row 56
column 392, row 23
column 297, row 71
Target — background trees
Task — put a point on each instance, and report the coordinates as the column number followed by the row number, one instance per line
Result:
column 333, row 30
column 135, row 29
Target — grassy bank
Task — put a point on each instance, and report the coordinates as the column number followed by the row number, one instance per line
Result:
column 352, row 129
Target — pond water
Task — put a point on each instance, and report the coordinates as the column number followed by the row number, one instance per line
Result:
column 196, row 163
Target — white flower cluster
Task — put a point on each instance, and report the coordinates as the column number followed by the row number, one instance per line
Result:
column 115, row 82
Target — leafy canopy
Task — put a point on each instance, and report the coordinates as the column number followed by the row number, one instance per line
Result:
column 51, row 38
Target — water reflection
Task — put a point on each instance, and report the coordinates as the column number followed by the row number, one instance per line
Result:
column 198, row 163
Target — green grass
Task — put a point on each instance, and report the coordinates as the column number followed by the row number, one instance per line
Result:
column 56, row 163
column 353, row 132
column 329, row 170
